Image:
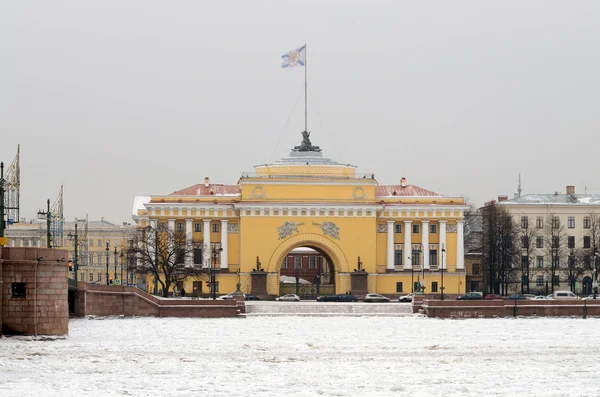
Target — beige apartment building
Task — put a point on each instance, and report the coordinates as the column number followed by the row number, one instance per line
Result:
column 94, row 237
column 577, row 218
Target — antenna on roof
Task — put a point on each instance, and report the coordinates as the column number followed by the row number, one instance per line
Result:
column 519, row 187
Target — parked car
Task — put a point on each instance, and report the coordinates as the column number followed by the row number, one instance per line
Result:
column 250, row 297
column 539, row 298
column 517, row 297
column 337, row 298
column 470, row 296
column 529, row 296
column 376, row 298
column 591, row 297
column 565, row 295
column 551, row 296
column 288, row 298
column 493, row 296
column 406, row 298
column 231, row 295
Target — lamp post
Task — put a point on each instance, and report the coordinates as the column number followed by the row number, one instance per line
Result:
column 121, row 255
column 116, row 261
column 213, row 282
column 48, row 215
column 107, row 254
column 571, row 266
column 595, row 275
column 442, row 270
column 74, row 237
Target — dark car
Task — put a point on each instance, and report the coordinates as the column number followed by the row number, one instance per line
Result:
column 470, row 296
column 494, row 296
column 337, row 298
column 250, row 297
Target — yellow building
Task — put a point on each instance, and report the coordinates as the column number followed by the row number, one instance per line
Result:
column 377, row 238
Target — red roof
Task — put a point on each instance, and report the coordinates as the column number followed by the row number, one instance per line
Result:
column 402, row 191
column 210, row 190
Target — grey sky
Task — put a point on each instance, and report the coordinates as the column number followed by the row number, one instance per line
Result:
column 121, row 98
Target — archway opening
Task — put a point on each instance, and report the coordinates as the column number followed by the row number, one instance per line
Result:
column 587, row 286
column 307, row 271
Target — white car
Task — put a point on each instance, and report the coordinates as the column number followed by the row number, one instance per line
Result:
column 230, row 296
column 591, row 297
column 406, row 298
column 376, row 298
column 539, row 298
column 288, row 298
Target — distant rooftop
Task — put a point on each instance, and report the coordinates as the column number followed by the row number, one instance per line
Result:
column 582, row 199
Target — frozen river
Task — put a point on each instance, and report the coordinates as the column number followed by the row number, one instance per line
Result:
column 308, row 356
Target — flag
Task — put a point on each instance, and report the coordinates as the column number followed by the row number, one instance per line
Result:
column 294, row 58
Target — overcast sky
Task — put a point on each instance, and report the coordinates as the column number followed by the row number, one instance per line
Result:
column 117, row 98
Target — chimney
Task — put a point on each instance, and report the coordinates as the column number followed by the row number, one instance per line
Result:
column 570, row 190
column 206, row 181
column 502, row 197
column 403, row 182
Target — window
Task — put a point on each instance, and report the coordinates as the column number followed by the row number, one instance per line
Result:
column 433, row 258
column 524, row 261
column 555, row 262
column 539, row 242
column 284, row 263
column 179, row 255
column 91, row 243
column 297, row 262
column 571, row 222
column 416, row 258
column 539, row 281
column 398, row 257
column 433, row 229
column 398, row 228
column 81, row 274
column 415, row 229
column 586, row 241
column 539, row 222
column 434, row 287
column 524, row 280
column 571, row 241
column 540, row 261
column 26, row 243
column 524, row 222
column 198, row 256
column 555, row 222
column 215, row 227
column 571, row 260
column 179, row 227
column 312, row 262
column 524, row 242
column 91, row 277
column 476, row 268
column 197, row 227
column 587, row 262
column 555, row 242
column 18, row 290
column 416, row 286
column 34, row 243
column 99, row 243
column 399, row 286
column 587, row 222
column 555, row 280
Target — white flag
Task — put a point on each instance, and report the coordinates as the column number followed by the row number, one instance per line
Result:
column 294, row 58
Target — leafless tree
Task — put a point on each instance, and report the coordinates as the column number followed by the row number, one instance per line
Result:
column 498, row 248
column 162, row 254
column 556, row 245
column 527, row 236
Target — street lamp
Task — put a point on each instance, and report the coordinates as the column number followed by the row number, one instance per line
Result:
column 48, row 215
column 442, row 270
column 74, row 237
column 595, row 275
column 107, row 254
column 213, row 282
column 571, row 266
column 116, row 261
column 121, row 258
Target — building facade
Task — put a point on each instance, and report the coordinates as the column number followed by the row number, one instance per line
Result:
column 564, row 235
column 396, row 235
column 94, row 237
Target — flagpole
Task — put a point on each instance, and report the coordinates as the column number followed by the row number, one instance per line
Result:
column 305, row 90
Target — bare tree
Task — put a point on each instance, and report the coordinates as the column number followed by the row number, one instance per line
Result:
column 498, row 248
column 556, row 244
column 162, row 254
column 528, row 236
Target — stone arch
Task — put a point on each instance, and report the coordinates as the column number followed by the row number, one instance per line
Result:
column 308, row 240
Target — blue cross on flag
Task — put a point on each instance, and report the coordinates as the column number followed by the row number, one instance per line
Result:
column 294, row 58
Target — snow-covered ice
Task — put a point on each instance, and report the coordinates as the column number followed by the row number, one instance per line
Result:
column 307, row 356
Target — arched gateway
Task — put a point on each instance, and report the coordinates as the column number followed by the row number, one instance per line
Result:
column 378, row 238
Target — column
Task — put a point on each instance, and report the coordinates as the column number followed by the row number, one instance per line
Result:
column 206, row 243
column 224, row 245
column 390, row 245
column 443, row 243
column 171, row 223
column 407, row 245
column 460, row 245
column 425, row 242
column 189, row 243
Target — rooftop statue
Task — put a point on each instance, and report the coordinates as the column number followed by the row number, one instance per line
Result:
column 306, row 145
